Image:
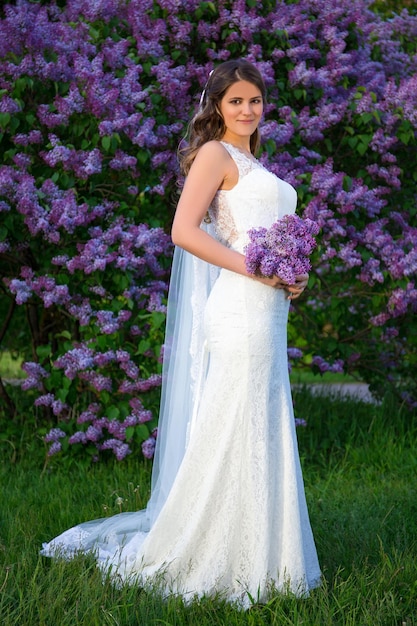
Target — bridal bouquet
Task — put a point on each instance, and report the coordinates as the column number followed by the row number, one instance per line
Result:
column 283, row 249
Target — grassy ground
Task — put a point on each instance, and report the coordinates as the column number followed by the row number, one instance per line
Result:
column 360, row 471
column 307, row 377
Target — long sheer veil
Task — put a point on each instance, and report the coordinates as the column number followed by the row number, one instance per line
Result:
column 184, row 366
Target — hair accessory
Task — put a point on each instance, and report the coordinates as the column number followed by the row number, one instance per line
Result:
column 203, row 93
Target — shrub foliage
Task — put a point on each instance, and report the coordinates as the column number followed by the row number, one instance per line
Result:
column 94, row 98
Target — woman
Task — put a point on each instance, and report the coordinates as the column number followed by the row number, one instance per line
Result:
column 227, row 512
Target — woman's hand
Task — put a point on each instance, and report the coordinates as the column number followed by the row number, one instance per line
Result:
column 294, row 291
column 271, row 281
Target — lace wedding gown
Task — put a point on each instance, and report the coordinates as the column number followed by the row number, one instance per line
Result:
column 234, row 519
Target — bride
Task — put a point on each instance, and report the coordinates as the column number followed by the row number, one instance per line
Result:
column 227, row 512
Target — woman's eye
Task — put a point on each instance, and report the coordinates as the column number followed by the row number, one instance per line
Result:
column 239, row 101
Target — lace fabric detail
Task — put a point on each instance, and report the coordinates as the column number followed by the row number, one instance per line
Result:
column 222, row 219
column 219, row 212
column 244, row 162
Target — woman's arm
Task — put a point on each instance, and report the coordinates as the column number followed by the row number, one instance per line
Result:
column 211, row 169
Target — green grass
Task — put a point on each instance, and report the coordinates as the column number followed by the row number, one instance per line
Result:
column 360, row 472
column 307, row 377
column 10, row 365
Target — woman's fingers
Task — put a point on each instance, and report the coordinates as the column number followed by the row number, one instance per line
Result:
column 294, row 291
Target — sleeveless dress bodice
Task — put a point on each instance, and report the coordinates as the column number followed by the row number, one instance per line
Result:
column 258, row 199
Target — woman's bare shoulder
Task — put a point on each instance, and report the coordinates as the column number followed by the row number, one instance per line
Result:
column 213, row 150
column 214, row 158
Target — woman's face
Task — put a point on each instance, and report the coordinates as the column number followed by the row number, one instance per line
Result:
column 241, row 108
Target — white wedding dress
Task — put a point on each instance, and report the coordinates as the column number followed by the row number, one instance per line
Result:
column 233, row 520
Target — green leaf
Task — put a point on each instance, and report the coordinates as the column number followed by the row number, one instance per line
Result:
column 143, row 346
column 112, row 412
column 142, row 156
column 130, row 431
column 141, row 432
column 94, row 32
column 4, row 119
column 313, row 280
column 158, row 319
column 270, row 146
column 363, row 143
column 106, row 143
column 43, row 351
column 66, row 382
column 177, row 54
column 347, row 183
column 366, row 117
column 62, row 394
column 105, row 397
column 122, row 281
column 156, row 98
column 300, row 94
column 328, row 144
column 377, row 116
column 115, row 141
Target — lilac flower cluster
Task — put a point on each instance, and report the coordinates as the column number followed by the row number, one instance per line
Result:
column 283, row 249
column 148, row 446
column 35, row 373
column 53, row 437
column 102, row 432
column 324, row 366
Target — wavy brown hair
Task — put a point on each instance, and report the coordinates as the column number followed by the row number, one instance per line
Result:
column 208, row 123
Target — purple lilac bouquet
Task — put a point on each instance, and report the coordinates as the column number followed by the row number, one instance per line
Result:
column 283, row 249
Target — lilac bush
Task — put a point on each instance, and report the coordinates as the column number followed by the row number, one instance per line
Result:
column 94, row 98
column 83, row 248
